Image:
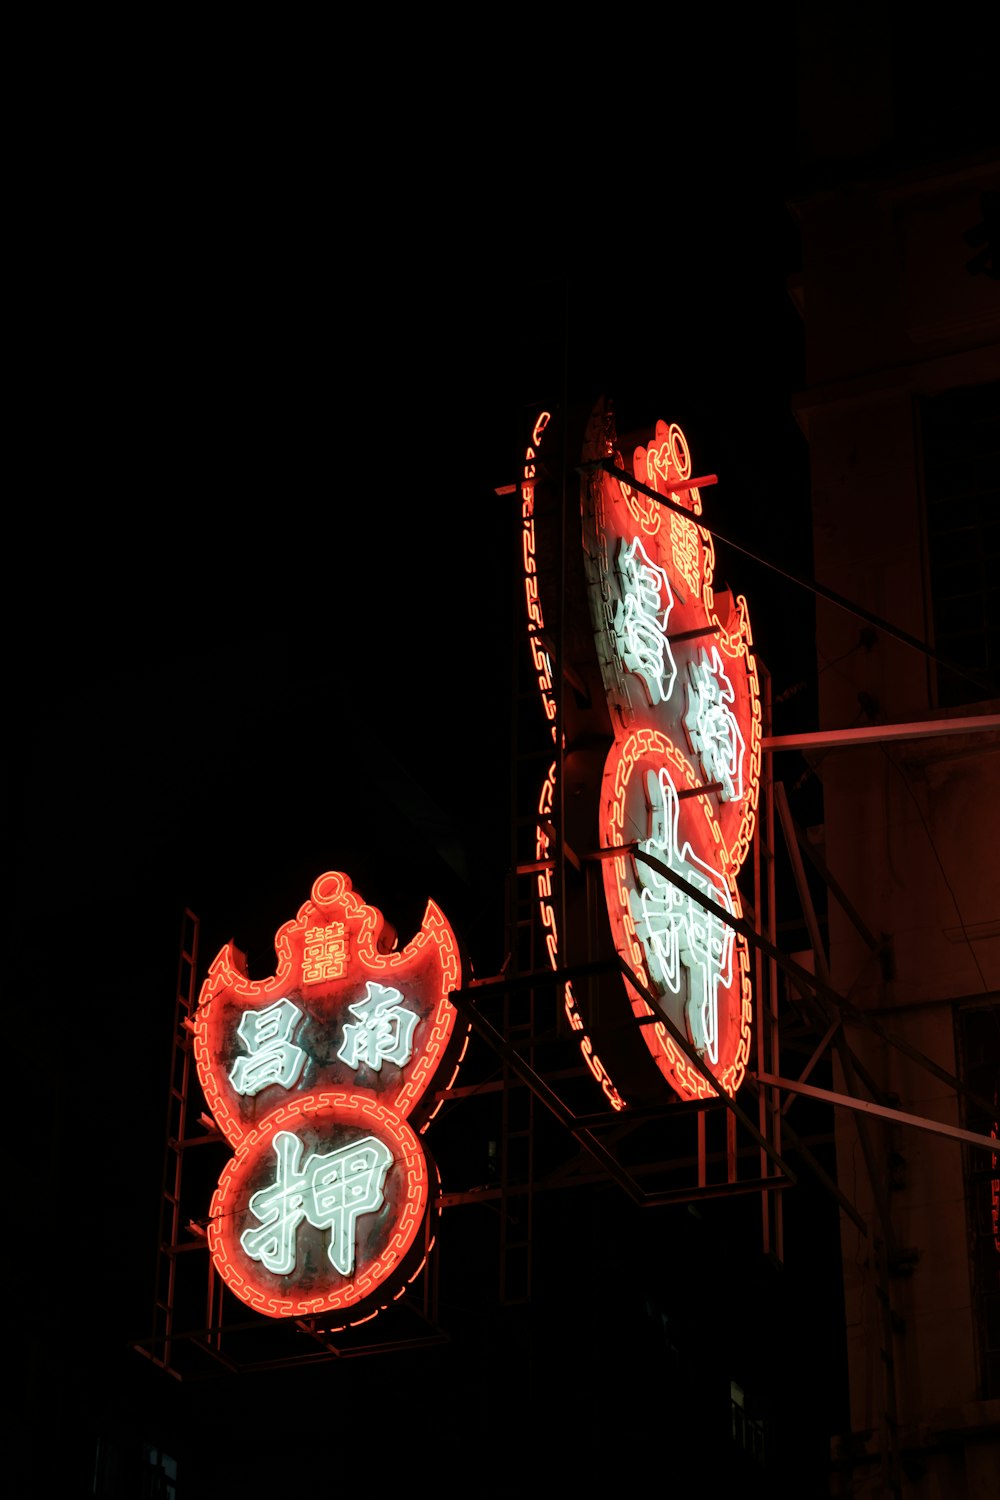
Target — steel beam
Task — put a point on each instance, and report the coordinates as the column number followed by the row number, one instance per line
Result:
column 868, row 1107
column 877, row 734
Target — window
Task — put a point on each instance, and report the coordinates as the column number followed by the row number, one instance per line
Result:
column 960, row 440
column 978, row 1039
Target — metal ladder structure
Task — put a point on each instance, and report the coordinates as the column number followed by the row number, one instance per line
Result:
column 171, row 1243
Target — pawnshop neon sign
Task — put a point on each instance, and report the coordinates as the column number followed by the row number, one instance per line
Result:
column 317, row 1077
column 681, row 780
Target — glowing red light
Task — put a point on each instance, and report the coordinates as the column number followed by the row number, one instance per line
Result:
column 543, row 671
column 681, row 781
column 309, row 1074
column 326, row 1123
column 428, row 969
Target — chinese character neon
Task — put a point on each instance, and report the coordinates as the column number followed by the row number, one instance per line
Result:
column 267, row 1036
column 640, row 621
column 329, row 1192
column 324, row 953
column 384, row 1030
column 677, row 933
column 684, row 548
column 711, row 725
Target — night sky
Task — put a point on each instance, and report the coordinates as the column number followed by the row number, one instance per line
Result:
column 267, row 587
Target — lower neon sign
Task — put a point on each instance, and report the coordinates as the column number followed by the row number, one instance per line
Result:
column 318, row 1078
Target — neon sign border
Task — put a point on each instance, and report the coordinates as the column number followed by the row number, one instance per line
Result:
column 337, row 1107
column 543, row 668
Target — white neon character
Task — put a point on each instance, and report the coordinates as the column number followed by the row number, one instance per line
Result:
column 267, row 1036
column 711, row 725
column 384, row 1032
column 640, row 621
column 329, row 1192
column 677, row 934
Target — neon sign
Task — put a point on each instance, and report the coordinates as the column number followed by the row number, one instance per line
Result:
column 543, row 669
column 317, row 1077
column 677, row 934
column 680, row 782
column 330, row 1191
column 536, row 620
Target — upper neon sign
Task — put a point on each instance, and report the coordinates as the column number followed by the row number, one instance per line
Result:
column 314, row 1076
column 681, row 780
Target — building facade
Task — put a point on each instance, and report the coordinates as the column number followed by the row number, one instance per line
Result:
column 900, row 298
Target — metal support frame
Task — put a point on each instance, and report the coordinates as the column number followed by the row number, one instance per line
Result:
column 882, row 1112
column 879, row 734
column 169, row 1242
column 589, row 1130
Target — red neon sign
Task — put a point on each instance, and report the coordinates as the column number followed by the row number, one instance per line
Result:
column 681, row 779
column 543, row 670
column 316, row 1077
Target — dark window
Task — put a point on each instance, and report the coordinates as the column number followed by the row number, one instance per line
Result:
column 979, row 1061
column 960, row 440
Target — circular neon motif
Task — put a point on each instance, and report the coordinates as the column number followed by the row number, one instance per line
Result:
column 320, row 1207
column 693, row 962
